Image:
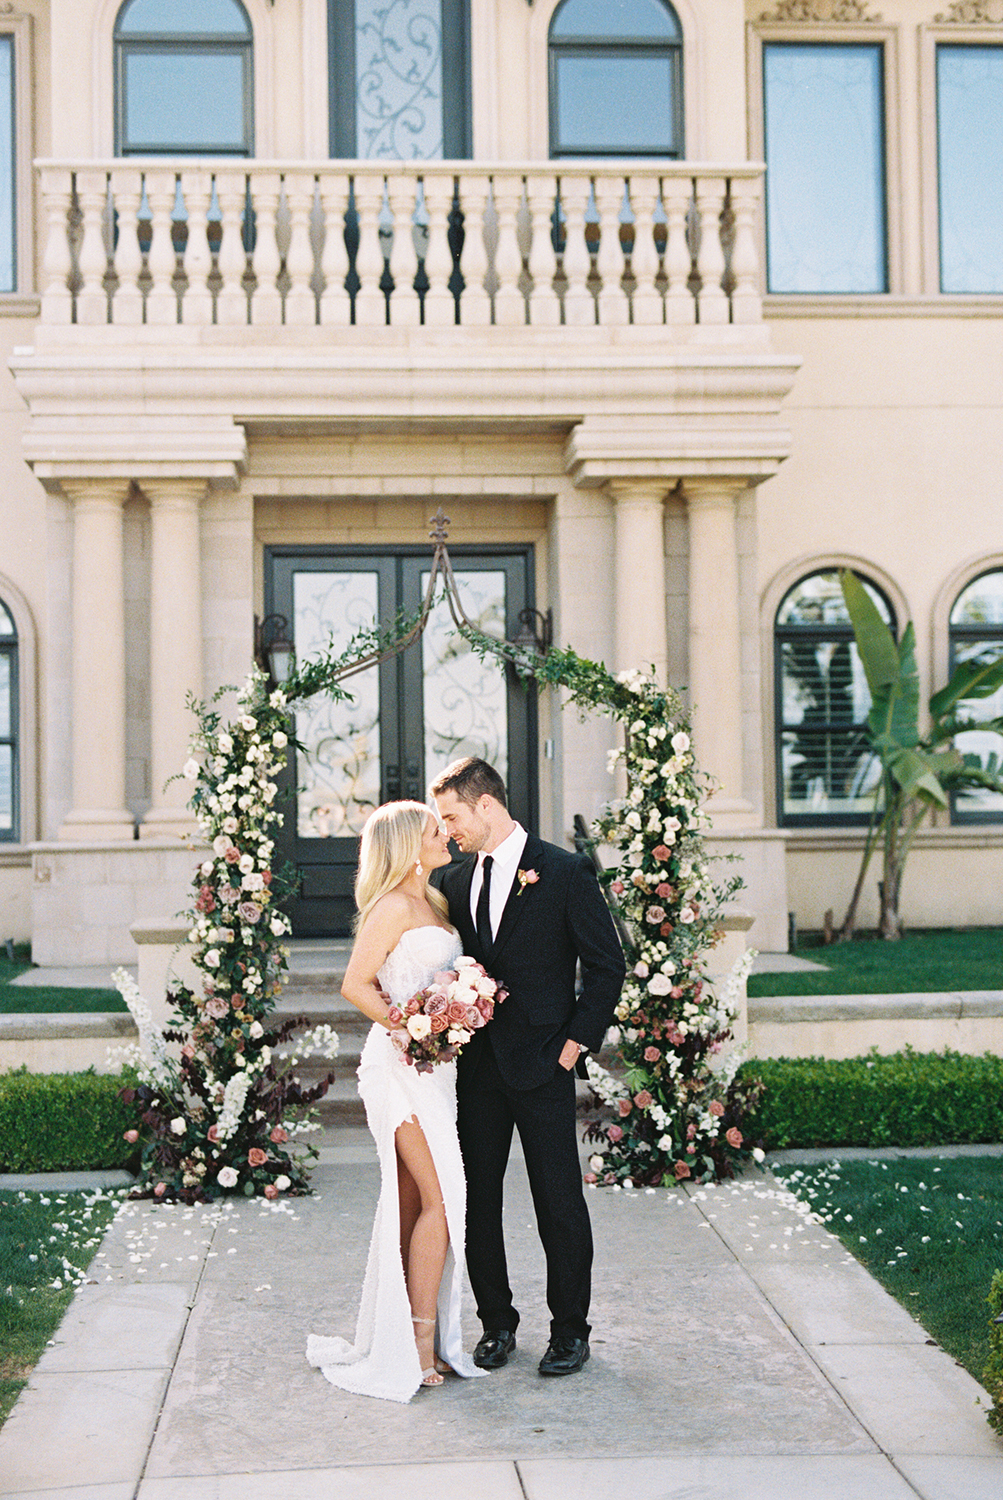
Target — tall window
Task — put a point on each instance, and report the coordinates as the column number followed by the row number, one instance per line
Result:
column 976, row 633
column 825, row 167
column 400, row 78
column 616, row 79
column 970, row 167
column 825, row 772
column 9, row 810
column 184, row 78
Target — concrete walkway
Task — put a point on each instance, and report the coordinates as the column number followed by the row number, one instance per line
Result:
column 738, row 1353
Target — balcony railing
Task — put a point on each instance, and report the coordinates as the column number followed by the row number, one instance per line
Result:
column 402, row 244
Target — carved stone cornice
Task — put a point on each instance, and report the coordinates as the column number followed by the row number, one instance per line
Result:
column 972, row 13
column 823, row 12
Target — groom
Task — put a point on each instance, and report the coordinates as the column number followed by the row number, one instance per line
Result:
column 528, row 911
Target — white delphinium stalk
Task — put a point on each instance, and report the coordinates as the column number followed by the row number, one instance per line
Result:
column 234, row 1099
column 151, row 1037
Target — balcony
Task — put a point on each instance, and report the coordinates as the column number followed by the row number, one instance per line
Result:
column 369, row 245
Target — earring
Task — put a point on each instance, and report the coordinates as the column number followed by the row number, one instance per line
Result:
column 418, row 868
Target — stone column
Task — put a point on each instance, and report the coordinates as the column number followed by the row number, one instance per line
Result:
column 175, row 646
column 98, row 615
column 715, row 675
column 639, row 573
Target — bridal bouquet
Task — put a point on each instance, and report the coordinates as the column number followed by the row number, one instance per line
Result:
column 438, row 1020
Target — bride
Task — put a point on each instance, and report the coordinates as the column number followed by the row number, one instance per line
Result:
column 413, row 1282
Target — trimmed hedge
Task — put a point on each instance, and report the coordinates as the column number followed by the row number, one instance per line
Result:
column 904, row 1099
column 63, row 1122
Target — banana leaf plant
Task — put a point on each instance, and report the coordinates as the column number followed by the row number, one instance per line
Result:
column 919, row 769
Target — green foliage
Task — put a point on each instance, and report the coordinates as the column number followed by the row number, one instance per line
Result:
column 918, row 770
column 929, row 1229
column 945, row 959
column 47, row 1241
column 49, row 1000
column 905, row 1099
column 992, row 1374
column 63, row 1122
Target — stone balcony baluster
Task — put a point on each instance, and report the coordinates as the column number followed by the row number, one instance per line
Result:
column 127, row 304
column 405, row 309
column 335, row 305
column 231, row 301
column 162, row 300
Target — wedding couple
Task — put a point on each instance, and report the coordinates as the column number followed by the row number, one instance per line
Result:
column 529, row 912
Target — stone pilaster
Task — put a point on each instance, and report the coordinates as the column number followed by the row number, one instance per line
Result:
column 639, row 572
column 175, row 646
column 98, row 664
column 715, row 665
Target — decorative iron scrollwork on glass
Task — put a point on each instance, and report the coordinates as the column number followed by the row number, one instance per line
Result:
column 398, row 52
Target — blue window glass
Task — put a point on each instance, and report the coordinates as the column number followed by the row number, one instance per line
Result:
column 970, row 165
column 9, row 818
column 184, row 78
column 976, row 634
column 8, row 236
column 616, row 79
column 825, row 167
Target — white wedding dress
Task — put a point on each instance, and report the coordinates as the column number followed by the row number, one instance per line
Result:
column 383, row 1361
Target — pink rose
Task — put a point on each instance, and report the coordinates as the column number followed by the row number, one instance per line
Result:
column 436, row 1006
column 590, row 1177
column 654, row 914
column 440, row 1022
column 228, row 894
column 412, row 1006
column 661, row 853
column 664, row 890
column 475, row 1019
column 217, row 1008
column 691, row 1131
column 395, row 1015
column 188, row 1050
column 485, row 1006
column 681, row 1169
column 691, row 1148
column 716, row 1108
column 529, row 877
column 618, row 888
column 457, row 1013
column 232, row 856
column 676, row 993
column 212, row 1134
column 271, row 1191
column 651, row 1054
column 733, row 1137
column 666, row 929
column 625, row 1107
column 444, row 976
column 643, row 1100
column 132, row 1136
column 614, row 1133
column 256, row 1157
column 249, row 911
column 278, row 1136
column 160, row 1190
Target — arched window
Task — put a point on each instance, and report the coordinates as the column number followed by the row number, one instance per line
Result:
column 976, row 633
column 616, row 79
column 825, row 772
column 184, row 82
column 10, row 812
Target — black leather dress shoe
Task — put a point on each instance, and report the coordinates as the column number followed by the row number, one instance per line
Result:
column 565, row 1355
column 494, row 1349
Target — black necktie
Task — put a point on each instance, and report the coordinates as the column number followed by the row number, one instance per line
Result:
column 484, row 907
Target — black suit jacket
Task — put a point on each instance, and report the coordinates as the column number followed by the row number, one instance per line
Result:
column 546, row 928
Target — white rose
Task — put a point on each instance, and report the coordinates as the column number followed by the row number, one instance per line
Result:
column 178, row 1126
column 659, row 984
column 665, row 1143
column 206, row 867
column 211, row 959
column 253, row 882
column 686, row 916
column 225, row 743
column 226, row 1177
column 280, row 740
column 247, row 723
column 758, row 1154
column 680, row 742
column 641, row 969
column 190, row 770
column 633, row 820
column 596, row 1163
column 240, row 1061
column 220, row 845
column 266, row 1056
column 457, row 1036
column 463, row 962
column 419, row 1026
column 282, row 1183
column 230, row 825
column 278, row 926
column 256, row 1030
column 246, row 864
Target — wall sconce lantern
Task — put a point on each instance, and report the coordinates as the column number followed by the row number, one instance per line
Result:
column 273, row 650
column 536, row 631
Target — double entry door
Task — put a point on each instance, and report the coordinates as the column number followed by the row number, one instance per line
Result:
column 408, row 718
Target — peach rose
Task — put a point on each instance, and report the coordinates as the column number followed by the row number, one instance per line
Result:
column 160, row 1190
column 132, row 1136
column 271, row 1191
column 625, row 1107
column 256, row 1157
column 440, row 1022
column 716, row 1108
column 651, row 1054
column 643, row 1100
column 733, row 1137
column 278, row 1136
column 661, row 853
column 681, row 1169
column 614, row 1133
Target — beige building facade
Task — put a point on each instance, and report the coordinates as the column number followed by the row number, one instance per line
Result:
column 252, row 344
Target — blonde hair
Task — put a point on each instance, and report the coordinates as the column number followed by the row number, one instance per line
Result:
column 389, row 850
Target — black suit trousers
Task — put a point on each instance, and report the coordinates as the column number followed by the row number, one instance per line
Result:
column 487, row 1110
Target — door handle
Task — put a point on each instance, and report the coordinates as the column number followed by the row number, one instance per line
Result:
column 393, row 783
column 412, row 782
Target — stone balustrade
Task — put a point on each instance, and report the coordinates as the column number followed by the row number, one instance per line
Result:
column 201, row 242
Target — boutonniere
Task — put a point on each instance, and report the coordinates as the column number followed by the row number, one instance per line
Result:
column 525, row 878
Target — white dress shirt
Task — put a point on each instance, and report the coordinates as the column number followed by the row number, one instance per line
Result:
column 506, row 862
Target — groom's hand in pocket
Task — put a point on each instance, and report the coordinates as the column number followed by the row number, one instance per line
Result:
column 569, row 1054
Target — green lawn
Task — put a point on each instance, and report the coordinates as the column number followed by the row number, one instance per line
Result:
column 936, row 959
column 47, row 999
column 931, row 1231
column 47, row 1241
